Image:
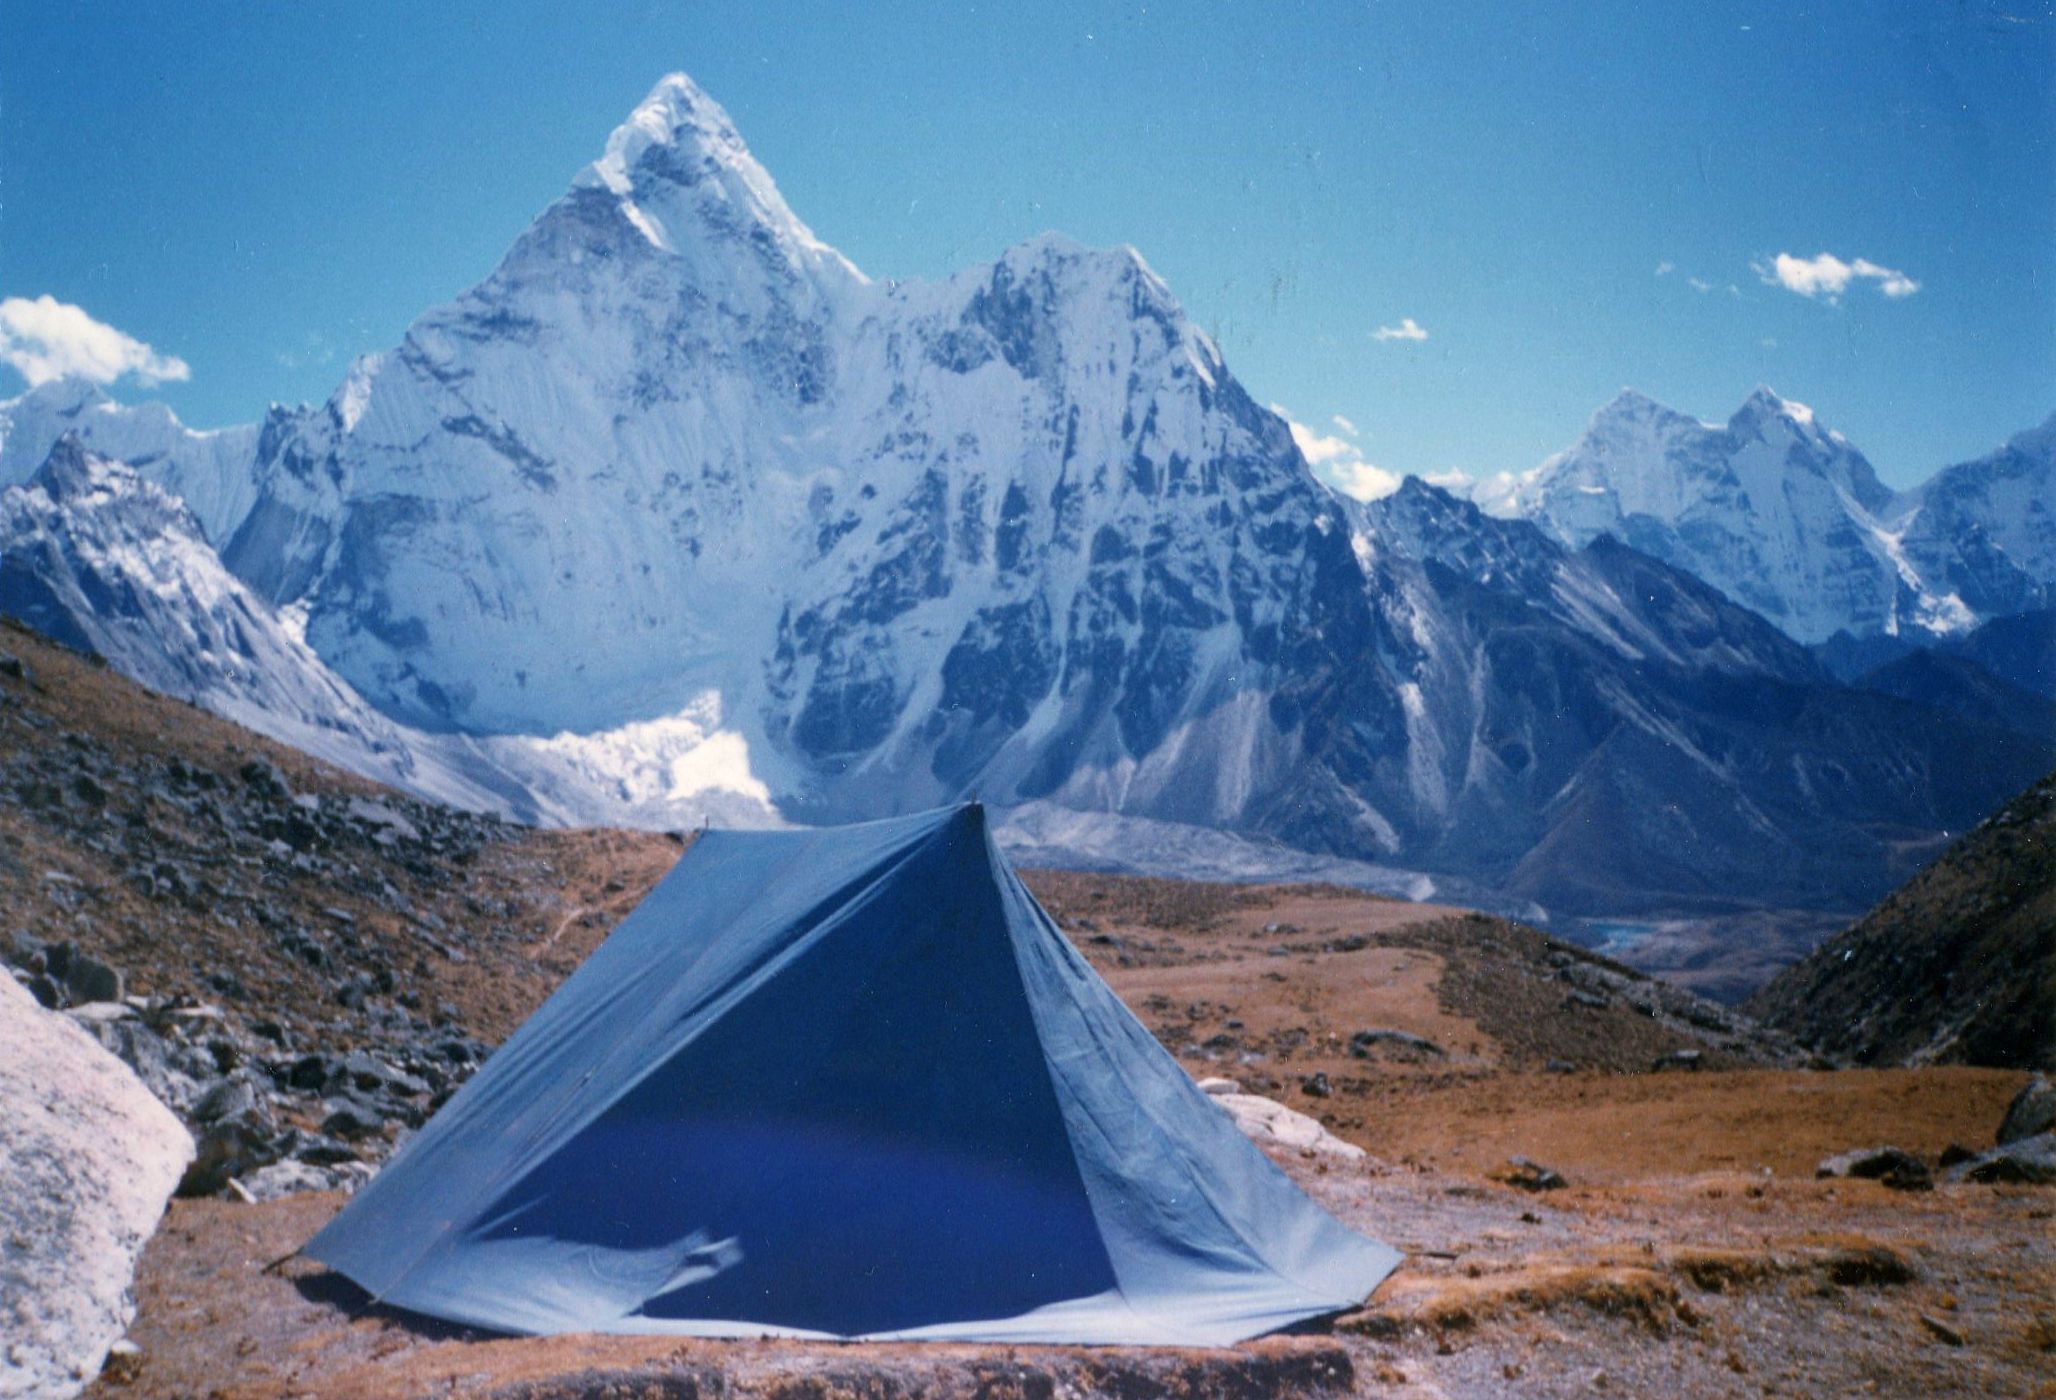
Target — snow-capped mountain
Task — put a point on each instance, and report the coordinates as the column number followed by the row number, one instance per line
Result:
column 100, row 559
column 1018, row 531
column 1985, row 530
column 1788, row 518
column 208, row 470
column 677, row 507
column 1579, row 714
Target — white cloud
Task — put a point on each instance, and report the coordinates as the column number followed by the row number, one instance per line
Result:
column 1338, row 461
column 1666, row 268
column 1825, row 276
column 1699, row 285
column 1407, row 329
column 48, row 339
column 1456, row 481
column 1343, row 423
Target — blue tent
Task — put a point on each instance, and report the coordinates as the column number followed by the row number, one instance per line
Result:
column 844, row 1083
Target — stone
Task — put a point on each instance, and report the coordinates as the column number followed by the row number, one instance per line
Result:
column 1317, row 1085
column 230, row 1148
column 1941, row 1331
column 324, row 1151
column 1269, row 1123
column 1678, row 1059
column 1895, row 1167
column 87, row 1159
column 2029, row 1161
column 86, row 979
column 371, row 1074
column 228, row 1098
column 287, row 1178
column 1363, row 1042
column 1529, row 1175
column 311, row 1073
column 264, row 778
column 124, row 1363
column 351, row 1118
column 2032, row 1112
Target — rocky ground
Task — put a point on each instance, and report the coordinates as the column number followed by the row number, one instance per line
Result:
column 1603, row 1184
column 301, row 964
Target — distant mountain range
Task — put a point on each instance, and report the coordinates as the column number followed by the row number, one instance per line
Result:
column 678, row 514
column 1786, row 517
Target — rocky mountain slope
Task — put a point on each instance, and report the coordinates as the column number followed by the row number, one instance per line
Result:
column 1786, row 517
column 1949, row 681
column 295, row 942
column 1636, row 719
column 2019, row 650
column 1958, row 966
column 678, row 512
column 234, row 908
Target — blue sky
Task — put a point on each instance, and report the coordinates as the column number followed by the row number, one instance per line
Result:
column 263, row 191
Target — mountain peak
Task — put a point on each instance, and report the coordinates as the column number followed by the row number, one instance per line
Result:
column 1632, row 407
column 66, row 395
column 676, row 116
column 1632, row 418
column 678, row 163
column 1765, row 405
column 1630, row 400
column 72, row 470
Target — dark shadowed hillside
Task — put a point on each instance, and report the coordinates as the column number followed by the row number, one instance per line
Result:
column 1957, row 966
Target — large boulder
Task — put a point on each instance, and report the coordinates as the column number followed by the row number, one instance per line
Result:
column 2029, row 1160
column 2032, row 1112
column 87, row 1160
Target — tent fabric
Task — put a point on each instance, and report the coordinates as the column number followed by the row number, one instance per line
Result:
column 847, row 1082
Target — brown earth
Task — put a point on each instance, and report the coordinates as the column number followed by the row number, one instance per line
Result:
column 1657, row 1269
column 1692, row 1253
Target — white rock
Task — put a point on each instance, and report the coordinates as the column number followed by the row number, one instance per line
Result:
column 1269, row 1123
column 87, row 1160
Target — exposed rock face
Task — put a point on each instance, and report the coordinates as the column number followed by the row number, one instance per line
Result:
column 87, row 1160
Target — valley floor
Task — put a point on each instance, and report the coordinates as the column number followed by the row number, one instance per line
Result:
column 1692, row 1252
column 1656, row 1272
